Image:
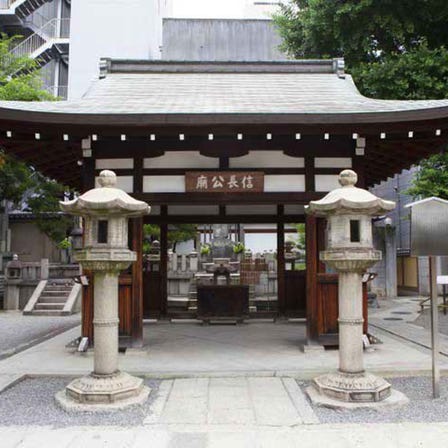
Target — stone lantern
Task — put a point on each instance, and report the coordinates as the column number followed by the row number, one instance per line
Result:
column 13, row 279
column 105, row 211
column 349, row 211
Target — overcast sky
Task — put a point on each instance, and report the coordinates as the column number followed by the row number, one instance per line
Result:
column 208, row 8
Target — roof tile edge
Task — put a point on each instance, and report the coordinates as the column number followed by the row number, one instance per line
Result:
column 324, row 66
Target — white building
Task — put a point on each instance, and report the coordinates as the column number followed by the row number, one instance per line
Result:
column 125, row 29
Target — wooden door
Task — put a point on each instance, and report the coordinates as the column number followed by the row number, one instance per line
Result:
column 295, row 293
column 322, row 290
column 153, row 298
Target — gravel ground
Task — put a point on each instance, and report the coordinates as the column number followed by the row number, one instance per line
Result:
column 32, row 402
column 18, row 332
column 422, row 407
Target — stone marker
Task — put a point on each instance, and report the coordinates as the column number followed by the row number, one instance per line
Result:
column 349, row 211
column 105, row 211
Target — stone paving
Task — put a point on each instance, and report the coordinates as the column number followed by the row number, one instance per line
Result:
column 193, row 350
column 225, row 386
column 407, row 322
column 402, row 435
column 231, row 401
column 19, row 332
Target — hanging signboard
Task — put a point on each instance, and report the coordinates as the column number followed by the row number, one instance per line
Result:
column 224, row 182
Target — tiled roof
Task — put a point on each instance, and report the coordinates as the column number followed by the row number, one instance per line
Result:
column 288, row 88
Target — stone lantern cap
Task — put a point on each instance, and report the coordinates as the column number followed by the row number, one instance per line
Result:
column 349, row 199
column 106, row 200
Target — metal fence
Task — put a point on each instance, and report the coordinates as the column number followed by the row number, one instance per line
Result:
column 54, row 29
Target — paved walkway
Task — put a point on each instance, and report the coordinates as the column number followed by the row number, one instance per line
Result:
column 402, row 435
column 187, row 350
column 227, row 386
column 406, row 314
column 231, row 401
column 19, row 332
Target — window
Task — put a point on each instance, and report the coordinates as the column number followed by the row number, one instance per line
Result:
column 102, row 231
column 354, row 231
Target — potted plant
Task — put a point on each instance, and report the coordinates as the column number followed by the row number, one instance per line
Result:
column 65, row 246
column 238, row 249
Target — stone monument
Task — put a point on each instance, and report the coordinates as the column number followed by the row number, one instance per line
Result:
column 221, row 244
column 105, row 211
column 349, row 211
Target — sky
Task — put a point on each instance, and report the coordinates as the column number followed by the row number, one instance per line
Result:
column 214, row 9
column 208, row 8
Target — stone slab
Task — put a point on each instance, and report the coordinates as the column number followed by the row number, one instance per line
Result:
column 160, row 402
column 300, row 401
column 395, row 400
column 271, row 402
column 187, row 402
column 390, row 435
column 230, row 402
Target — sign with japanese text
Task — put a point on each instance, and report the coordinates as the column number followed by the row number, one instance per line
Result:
column 224, row 182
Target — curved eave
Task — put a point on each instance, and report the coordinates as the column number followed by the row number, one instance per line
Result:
column 374, row 207
column 88, row 120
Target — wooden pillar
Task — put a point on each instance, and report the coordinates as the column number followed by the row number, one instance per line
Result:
column 281, row 264
column 163, row 263
column 137, row 284
column 311, row 277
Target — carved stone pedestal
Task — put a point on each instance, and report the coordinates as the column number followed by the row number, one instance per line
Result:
column 362, row 387
column 103, row 392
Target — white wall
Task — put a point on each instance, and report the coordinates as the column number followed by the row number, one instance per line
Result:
column 126, row 29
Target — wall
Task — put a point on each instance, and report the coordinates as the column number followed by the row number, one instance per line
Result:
column 220, row 40
column 30, row 244
column 126, row 29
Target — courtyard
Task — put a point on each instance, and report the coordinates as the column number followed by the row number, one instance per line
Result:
column 215, row 385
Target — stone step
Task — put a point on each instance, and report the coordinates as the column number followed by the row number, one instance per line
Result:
column 48, row 313
column 62, row 284
column 43, row 299
column 56, row 292
column 49, row 306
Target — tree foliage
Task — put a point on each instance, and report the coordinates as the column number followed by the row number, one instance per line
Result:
column 393, row 48
column 15, row 179
column 419, row 74
column 432, row 178
column 43, row 202
column 19, row 76
column 176, row 234
column 27, row 189
column 20, row 184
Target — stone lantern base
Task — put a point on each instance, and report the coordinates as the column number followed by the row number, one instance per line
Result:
column 344, row 390
column 103, row 393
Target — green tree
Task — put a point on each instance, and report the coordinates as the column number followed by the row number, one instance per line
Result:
column 180, row 233
column 395, row 49
column 43, row 202
column 20, row 184
column 19, row 75
column 376, row 38
column 176, row 234
column 432, row 178
column 23, row 187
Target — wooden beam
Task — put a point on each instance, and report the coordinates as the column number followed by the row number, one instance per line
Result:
column 137, row 284
column 281, row 290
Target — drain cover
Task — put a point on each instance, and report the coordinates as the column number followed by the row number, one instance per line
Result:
column 392, row 318
column 400, row 312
